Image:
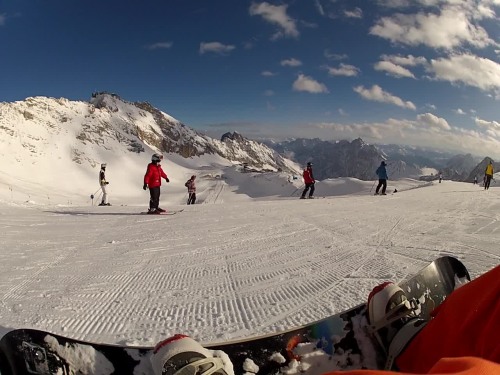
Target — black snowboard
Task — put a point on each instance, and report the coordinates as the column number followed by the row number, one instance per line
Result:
column 339, row 342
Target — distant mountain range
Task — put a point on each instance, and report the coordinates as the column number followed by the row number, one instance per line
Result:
column 32, row 132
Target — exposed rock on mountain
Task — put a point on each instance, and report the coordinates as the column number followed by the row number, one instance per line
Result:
column 110, row 124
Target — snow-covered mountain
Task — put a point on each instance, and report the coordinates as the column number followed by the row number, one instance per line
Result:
column 61, row 143
column 359, row 159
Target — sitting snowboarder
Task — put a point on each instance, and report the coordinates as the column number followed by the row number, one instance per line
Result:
column 460, row 339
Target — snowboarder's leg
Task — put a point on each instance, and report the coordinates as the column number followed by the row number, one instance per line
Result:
column 378, row 186
column 312, row 191
column 193, row 198
column 384, row 186
column 154, row 199
column 181, row 355
column 104, row 194
column 305, row 191
column 465, row 324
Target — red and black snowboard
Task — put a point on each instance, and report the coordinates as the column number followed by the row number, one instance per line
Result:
column 340, row 342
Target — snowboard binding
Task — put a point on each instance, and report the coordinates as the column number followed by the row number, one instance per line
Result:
column 393, row 319
column 181, row 355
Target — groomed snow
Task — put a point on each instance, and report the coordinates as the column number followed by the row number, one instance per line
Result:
column 250, row 259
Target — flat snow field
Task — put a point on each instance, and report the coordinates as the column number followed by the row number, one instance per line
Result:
column 229, row 270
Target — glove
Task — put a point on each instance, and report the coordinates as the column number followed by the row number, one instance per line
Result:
column 107, row 183
column 145, row 186
column 167, row 179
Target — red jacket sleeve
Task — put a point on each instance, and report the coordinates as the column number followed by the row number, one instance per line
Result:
column 163, row 174
column 147, row 176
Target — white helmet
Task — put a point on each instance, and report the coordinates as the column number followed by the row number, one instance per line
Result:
column 157, row 157
column 103, row 165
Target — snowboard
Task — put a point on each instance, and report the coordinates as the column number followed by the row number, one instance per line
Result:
column 340, row 342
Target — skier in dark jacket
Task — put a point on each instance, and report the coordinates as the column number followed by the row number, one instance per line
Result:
column 190, row 184
column 382, row 178
column 308, row 181
column 152, row 179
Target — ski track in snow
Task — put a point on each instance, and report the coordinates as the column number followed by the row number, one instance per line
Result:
column 229, row 270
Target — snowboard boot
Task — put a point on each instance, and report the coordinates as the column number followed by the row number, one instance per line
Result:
column 161, row 210
column 302, row 197
column 153, row 211
column 392, row 318
column 311, row 197
column 181, row 355
column 401, row 340
column 102, row 204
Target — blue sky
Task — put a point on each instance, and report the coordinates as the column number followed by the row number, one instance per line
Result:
column 423, row 72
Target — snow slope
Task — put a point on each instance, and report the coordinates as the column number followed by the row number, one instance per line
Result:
column 249, row 259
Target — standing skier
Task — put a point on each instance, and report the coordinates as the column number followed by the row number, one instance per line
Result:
column 103, row 183
column 191, row 186
column 308, row 181
column 152, row 179
column 382, row 178
column 475, row 180
column 488, row 175
column 440, row 177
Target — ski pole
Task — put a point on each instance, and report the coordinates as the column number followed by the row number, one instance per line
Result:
column 372, row 186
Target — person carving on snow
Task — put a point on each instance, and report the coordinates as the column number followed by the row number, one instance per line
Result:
column 308, row 181
column 152, row 179
column 382, row 178
column 103, row 183
column 191, row 186
column 488, row 175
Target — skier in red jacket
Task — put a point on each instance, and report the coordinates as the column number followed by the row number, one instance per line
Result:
column 152, row 179
column 308, row 181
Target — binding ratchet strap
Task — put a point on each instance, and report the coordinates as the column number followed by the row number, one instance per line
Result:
column 404, row 309
column 205, row 366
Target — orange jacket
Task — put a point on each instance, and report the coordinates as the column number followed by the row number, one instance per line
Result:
column 463, row 338
column 445, row 366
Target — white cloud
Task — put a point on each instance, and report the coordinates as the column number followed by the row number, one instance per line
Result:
column 2, row 19
column 308, row 84
column 460, row 111
column 291, row 62
column 276, row 15
column 432, row 121
column 409, row 60
column 334, row 56
column 425, row 130
column 159, row 45
column 393, row 70
column 377, row 94
column 267, row 73
column 487, row 124
column 215, row 47
column 342, row 112
column 468, row 69
column 452, row 27
column 343, row 70
column 355, row 13
column 319, row 7
column 431, row 106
